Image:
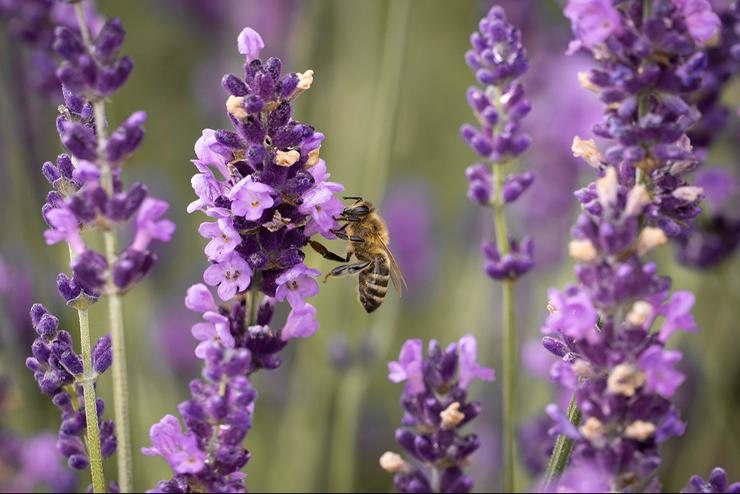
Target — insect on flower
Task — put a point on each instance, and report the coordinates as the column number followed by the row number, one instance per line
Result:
column 367, row 240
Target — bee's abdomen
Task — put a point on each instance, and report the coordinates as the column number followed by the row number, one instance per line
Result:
column 374, row 283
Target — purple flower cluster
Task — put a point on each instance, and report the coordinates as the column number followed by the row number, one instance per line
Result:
column 435, row 407
column 648, row 68
column 32, row 23
column 717, row 483
column 499, row 60
column 716, row 235
column 83, row 197
column 58, row 371
column 612, row 357
column 267, row 192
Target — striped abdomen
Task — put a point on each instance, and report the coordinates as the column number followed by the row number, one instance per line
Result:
column 373, row 283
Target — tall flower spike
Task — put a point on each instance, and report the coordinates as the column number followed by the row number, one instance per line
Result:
column 88, row 194
column 499, row 61
column 266, row 190
column 435, row 409
column 607, row 331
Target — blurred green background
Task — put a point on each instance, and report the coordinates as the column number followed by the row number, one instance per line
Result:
column 389, row 93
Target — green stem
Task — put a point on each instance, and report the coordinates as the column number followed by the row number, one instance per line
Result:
column 563, row 448
column 91, row 410
column 115, row 307
column 508, row 308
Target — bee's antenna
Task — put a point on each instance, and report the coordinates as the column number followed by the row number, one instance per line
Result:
column 355, row 198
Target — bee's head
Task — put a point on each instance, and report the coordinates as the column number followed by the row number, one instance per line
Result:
column 360, row 208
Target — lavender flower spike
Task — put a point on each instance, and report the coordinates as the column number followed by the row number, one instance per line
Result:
column 266, row 190
column 436, row 408
column 716, row 483
column 499, row 60
column 610, row 331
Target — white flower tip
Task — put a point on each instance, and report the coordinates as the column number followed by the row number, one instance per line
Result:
column 235, row 106
column 688, row 193
column 607, row 187
column 287, row 158
column 451, row 416
column 640, row 430
column 585, row 82
column 582, row 250
column 650, row 238
column 305, row 80
column 393, row 463
column 637, row 198
column 587, row 150
column 593, row 430
column 250, row 44
column 639, row 314
column 625, row 379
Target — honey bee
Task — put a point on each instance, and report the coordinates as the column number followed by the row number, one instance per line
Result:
column 367, row 241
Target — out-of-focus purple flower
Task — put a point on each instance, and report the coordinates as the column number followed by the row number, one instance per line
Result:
column 409, row 213
column 435, row 404
column 408, row 367
column 250, row 44
column 661, row 377
column 572, row 314
column 677, row 314
column 179, row 448
column 199, row 299
column 701, row 20
column 718, row 184
column 716, row 483
column 149, row 226
column 594, row 21
column 64, row 227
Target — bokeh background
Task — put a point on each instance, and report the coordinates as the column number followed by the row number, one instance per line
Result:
column 389, row 93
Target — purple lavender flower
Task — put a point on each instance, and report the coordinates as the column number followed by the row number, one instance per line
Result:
column 594, row 21
column 716, row 483
column 612, row 356
column 267, row 191
column 436, row 408
column 499, row 60
column 58, row 371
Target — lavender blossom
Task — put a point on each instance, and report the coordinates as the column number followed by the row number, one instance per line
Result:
column 612, row 356
column 716, row 235
column 716, row 483
column 32, row 23
column 267, row 192
column 435, row 409
column 499, row 61
column 58, row 371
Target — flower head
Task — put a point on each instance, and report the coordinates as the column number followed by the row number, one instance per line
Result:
column 180, row 449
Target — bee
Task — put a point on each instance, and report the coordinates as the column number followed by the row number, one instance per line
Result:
column 367, row 241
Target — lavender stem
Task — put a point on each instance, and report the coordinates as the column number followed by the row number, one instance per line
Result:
column 562, row 450
column 91, row 411
column 115, row 309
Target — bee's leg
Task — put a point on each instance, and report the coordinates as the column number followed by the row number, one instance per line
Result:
column 346, row 270
column 352, row 238
column 326, row 253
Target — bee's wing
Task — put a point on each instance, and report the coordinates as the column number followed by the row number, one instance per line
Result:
column 396, row 276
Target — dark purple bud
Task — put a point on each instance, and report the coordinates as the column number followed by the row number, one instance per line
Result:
column 234, row 85
column 265, row 85
column 51, row 174
column 127, row 138
column 65, row 166
column 89, row 269
column 37, row 312
column 34, row 365
column 78, row 462
column 79, row 140
column 72, row 362
column 67, row 43
column 279, row 117
column 131, row 266
column 554, row 346
column 47, row 326
column 112, row 78
column 425, row 449
column 230, row 139
column 265, row 312
column 62, row 400
column 273, row 66
column 406, row 439
column 109, row 40
column 41, row 351
column 254, row 104
column 288, row 85
column 82, row 208
column 70, row 77
column 102, row 354
column 72, row 426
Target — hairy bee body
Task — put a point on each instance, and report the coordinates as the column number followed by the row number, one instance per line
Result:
column 367, row 242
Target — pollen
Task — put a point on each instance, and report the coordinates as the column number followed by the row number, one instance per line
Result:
column 235, row 106
column 451, row 416
column 640, row 430
column 582, row 250
column 287, row 158
column 640, row 313
column 305, row 80
column 313, row 157
column 587, row 150
column 650, row 238
column 625, row 379
column 393, row 463
column 593, row 430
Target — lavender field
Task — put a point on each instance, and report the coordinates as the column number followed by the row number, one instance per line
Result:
column 369, row 246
